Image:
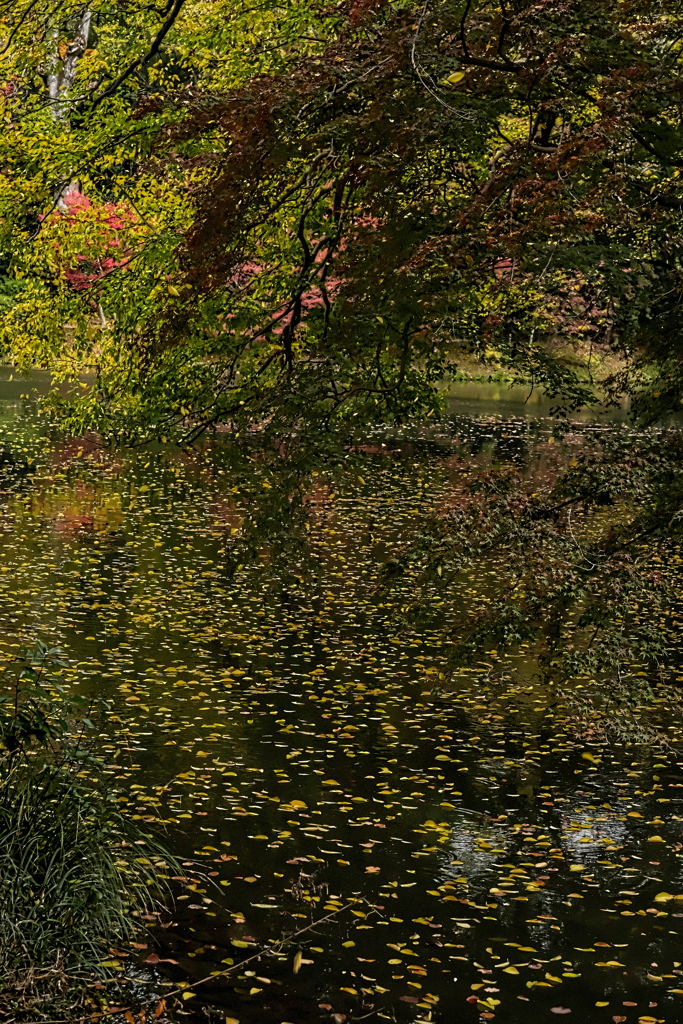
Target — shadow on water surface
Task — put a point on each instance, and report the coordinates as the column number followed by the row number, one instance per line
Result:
column 281, row 735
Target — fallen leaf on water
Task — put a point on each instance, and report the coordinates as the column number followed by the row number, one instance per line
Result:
column 559, row 1009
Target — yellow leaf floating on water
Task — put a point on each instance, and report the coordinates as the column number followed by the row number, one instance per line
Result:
column 298, row 957
column 510, row 970
column 663, row 897
column 656, row 839
column 590, row 757
column 609, row 963
column 456, row 77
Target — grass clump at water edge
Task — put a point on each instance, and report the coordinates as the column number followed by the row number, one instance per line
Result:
column 72, row 881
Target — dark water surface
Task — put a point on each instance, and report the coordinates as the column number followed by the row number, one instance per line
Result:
column 281, row 731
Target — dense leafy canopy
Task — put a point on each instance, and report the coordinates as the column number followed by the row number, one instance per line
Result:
column 295, row 211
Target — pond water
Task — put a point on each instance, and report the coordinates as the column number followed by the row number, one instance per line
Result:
column 277, row 725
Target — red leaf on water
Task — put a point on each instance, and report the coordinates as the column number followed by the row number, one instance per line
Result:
column 154, row 959
column 618, row 1019
column 409, row 999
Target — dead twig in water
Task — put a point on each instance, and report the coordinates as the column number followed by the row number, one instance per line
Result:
column 95, row 1016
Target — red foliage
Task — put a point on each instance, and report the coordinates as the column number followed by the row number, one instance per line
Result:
column 107, row 254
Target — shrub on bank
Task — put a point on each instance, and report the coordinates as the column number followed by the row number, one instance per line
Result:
column 73, row 882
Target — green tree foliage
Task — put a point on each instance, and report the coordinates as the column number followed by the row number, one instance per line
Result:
column 317, row 201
